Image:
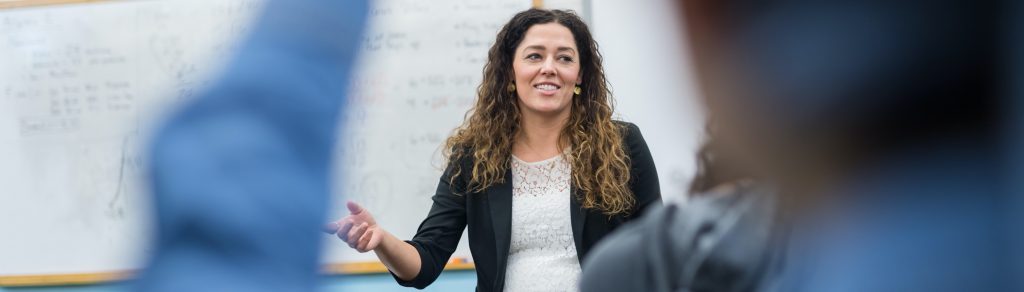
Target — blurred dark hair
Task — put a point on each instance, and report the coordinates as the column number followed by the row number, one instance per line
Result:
column 831, row 86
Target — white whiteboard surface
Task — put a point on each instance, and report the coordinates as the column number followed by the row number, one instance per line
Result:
column 80, row 85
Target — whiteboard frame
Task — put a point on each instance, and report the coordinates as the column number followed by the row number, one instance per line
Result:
column 352, row 268
column 8, row 4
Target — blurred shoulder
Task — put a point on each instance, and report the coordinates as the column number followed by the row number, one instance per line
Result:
column 649, row 254
column 617, row 262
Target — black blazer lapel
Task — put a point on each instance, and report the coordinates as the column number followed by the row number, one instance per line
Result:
column 578, row 216
column 500, row 201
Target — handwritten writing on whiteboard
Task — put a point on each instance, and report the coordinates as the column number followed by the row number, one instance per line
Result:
column 80, row 85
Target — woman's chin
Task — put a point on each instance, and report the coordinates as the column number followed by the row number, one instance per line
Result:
column 542, row 104
column 547, row 110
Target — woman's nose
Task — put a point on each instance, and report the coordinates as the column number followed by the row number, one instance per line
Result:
column 548, row 67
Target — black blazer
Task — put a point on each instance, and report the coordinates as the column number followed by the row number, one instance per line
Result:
column 489, row 217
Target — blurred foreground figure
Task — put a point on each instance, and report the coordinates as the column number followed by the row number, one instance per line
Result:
column 240, row 175
column 875, row 122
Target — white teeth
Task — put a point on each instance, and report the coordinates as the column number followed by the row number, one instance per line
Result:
column 545, row 87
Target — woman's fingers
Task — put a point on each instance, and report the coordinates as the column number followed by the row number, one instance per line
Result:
column 355, row 234
column 360, row 213
column 354, row 208
column 364, row 241
column 339, row 227
column 346, row 226
column 330, row 227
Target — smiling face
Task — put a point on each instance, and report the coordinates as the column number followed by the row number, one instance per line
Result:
column 547, row 69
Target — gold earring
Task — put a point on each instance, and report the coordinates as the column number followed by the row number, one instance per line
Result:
column 577, row 90
column 511, row 87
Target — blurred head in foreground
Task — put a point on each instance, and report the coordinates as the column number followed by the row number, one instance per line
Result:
column 878, row 121
column 808, row 91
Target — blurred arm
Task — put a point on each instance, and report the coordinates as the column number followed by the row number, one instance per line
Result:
column 240, row 175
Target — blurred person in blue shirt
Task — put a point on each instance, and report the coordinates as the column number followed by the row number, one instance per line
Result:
column 240, row 174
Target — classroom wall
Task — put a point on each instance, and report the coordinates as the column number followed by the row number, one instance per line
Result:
column 645, row 58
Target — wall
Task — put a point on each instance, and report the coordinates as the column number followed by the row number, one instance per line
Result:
column 645, row 58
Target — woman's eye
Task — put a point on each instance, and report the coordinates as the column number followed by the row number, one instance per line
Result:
column 533, row 57
column 566, row 59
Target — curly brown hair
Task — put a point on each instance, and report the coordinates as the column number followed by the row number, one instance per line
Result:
column 600, row 166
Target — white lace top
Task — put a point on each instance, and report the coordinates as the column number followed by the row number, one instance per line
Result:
column 542, row 254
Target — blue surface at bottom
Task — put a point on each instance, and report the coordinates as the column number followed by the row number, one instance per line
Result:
column 449, row 281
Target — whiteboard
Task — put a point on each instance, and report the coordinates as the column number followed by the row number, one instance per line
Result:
column 82, row 85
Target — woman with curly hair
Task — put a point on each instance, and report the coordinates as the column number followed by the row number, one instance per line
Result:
column 538, row 172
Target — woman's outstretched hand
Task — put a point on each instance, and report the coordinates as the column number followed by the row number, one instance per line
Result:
column 358, row 229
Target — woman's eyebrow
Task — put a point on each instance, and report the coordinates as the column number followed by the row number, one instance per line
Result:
column 542, row 48
column 562, row 49
column 535, row 47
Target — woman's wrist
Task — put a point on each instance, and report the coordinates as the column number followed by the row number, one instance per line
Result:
column 398, row 256
column 387, row 242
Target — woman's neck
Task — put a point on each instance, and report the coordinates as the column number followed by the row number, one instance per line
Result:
column 539, row 136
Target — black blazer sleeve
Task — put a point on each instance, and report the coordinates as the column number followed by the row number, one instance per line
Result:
column 643, row 174
column 439, row 234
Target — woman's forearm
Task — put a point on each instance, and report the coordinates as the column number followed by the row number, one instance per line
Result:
column 400, row 257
